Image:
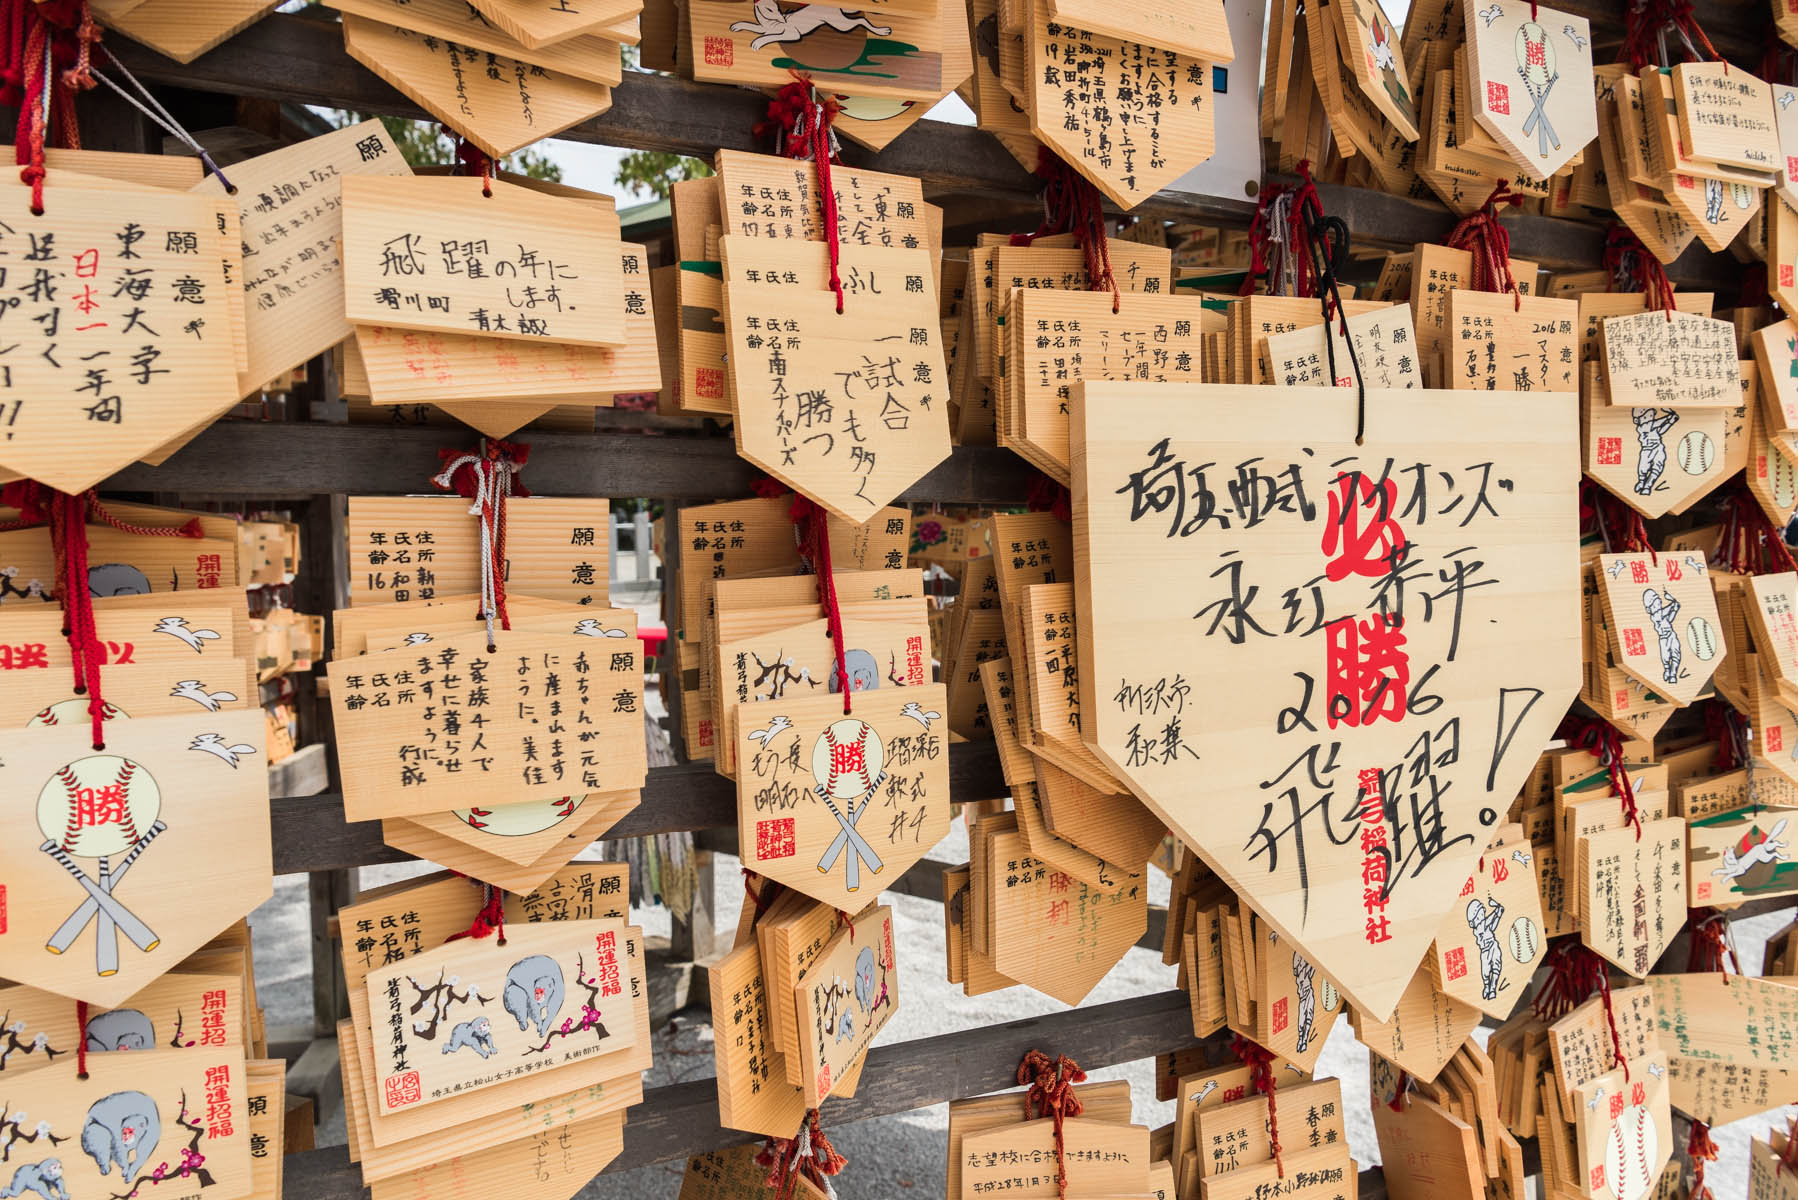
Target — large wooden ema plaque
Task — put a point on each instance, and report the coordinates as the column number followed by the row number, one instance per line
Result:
column 1327, row 675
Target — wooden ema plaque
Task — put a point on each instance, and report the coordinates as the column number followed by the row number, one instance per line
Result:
column 179, row 1011
column 1375, row 58
column 1491, row 940
column 182, row 29
column 124, row 329
column 880, row 53
column 530, row 716
column 1423, row 1032
column 544, row 25
column 1384, row 344
column 1726, row 116
column 849, row 408
column 1052, row 932
column 408, row 366
column 1633, row 892
column 163, row 794
column 593, row 57
column 1699, row 1016
column 1623, row 1130
column 561, row 993
column 1530, row 79
column 1103, row 1159
column 1662, row 616
column 808, row 774
column 848, row 996
column 1673, row 360
column 1741, row 855
column 1202, row 696
column 406, row 548
column 480, row 258
column 499, row 104
column 1196, row 30
column 290, row 209
column 1139, row 118
column 152, row 1123
column 1656, row 460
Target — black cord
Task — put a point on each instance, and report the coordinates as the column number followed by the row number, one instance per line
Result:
column 1327, row 258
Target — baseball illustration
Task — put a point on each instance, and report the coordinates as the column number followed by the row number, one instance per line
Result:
column 847, row 759
column 98, row 806
column 1327, row 996
column 1785, row 481
column 520, row 820
column 71, row 712
column 1696, row 452
column 1526, row 940
column 1630, row 1149
column 1701, row 635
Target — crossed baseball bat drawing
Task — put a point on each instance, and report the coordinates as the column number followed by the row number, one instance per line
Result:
column 848, row 835
column 112, row 916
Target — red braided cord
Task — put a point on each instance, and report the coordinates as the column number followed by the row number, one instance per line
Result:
column 1071, row 204
column 1624, row 251
column 81, row 1039
column 1489, row 243
column 489, row 919
column 789, row 1158
column 1605, row 743
column 1700, row 1148
column 1259, row 1061
column 795, row 105
column 813, row 525
column 1052, row 1095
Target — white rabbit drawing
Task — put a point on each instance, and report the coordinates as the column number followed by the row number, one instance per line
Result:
column 1771, row 850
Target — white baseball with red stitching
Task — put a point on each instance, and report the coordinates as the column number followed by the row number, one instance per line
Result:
column 74, row 811
column 1629, row 1151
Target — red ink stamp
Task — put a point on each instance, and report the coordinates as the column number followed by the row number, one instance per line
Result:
column 1498, row 98
column 403, row 1089
column 1279, row 1014
column 1775, row 737
column 708, row 383
column 1610, row 451
column 720, row 52
column 774, row 839
column 1454, row 963
column 1634, row 646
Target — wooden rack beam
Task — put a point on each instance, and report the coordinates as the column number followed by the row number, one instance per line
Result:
column 270, row 461
column 311, row 834
column 301, row 59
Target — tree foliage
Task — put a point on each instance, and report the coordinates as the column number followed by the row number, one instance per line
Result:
column 428, row 144
column 657, row 171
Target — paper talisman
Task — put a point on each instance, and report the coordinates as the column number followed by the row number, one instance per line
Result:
column 1674, row 360
column 479, row 257
column 547, row 24
column 1656, row 460
column 1199, row 30
column 1662, row 615
column 1424, row 1031
column 1207, row 666
column 809, row 380
column 542, row 716
column 406, row 548
column 1530, row 78
column 593, row 57
column 499, row 104
column 1726, row 116
column 1491, row 940
column 179, row 1011
column 1624, row 1130
column 289, row 207
column 1620, row 875
column 1103, row 1159
column 1052, row 932
column 852, row 51
column 1140, row 117
column 159, row 800
column 121, row 312
column 559, row 987
column 1385, row 350
column 1741, row 855
column 849, row 995
column 151, row 1123
column 808, row 773
column 406, row 366
column 1376, row 60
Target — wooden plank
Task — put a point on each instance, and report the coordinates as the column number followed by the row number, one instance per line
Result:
column 310, row 833
column 270, row 460
column 300, row 59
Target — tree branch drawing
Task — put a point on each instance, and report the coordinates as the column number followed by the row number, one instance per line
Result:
column 893, row 676
column 16, row 1045
column 175, row 1038
column 441, row 997
column 779, row 675
column 589, row 1018
column 191, row 1166
column 12, row 1132
column 834, row 996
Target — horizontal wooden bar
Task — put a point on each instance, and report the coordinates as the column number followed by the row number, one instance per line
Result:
column 301, row 58
column 311, row 833
column 267, row 460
